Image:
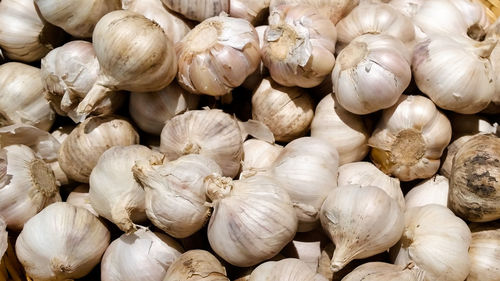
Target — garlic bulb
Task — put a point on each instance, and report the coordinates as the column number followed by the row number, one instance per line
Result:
column 332, row 9
column 287, row 111
column 150, row 111
column 198, row 10
column 253, row 11
column 436, row 241
column 285, row 270
column 258, row 156
column 114, row 193
column 27, row 185
column 474, row 13
column 374, row 271
column 196, row 265
column 484, row 252
column 21, row 96
column 143, row 255
column 343, row 130
column 150, row 63
column 76, row 17
column 410, row 138
column 298, row 46
column 217, row 55
column 474, row 185
column 361, row 222
column 371, row 73
column 366, row 174
column 211, row 133
column 80, row 197
column 24, row 35
column 80, row 151
column 175, row 194
column 61, row 242
column 254, row 211
column 429, row 191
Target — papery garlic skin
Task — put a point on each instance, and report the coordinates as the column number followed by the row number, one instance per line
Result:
column 80, row 197
column 361, row 222
column 27, row 185
column 217, row 55
column 436, row 241
column 61, row 242
column 430, row 191
column 410, row 139
column 196, row 265
column 198, row 10
column 254, row 211
column 143, row 255
column 371, row 73
column 484, row 252
column 332, row 9
column 285, row 270
column 373, row 271
column 258, row 156
column 253, row 11
column 298, row 46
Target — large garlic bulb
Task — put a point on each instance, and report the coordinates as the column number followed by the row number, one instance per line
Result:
column 61, row 242
column 198, row 10
column 285, row 270
column 175, row 194
column 484, row 252
column 332, row 9
column 410, row 138
column 371, row 73
column 21, row 97
column 361, row 222
column 253, row 11
column 254, row 211
column 142, row 255
column 196, row 265
column 436, row 241
column 258, row 156
column 377, row 271
column 429, row 191
column 298, row 46
column 80, row 197
column 342, row 129
column 211, row 133
column 80, row 151
column 27, row 185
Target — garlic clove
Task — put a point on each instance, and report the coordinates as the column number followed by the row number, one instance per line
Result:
column 196, row 265
column 484, row 252
column 430, row 191
column 198, row 10
column 80, row 197
column 374, row 271
column 332, row 9
column 258, row 156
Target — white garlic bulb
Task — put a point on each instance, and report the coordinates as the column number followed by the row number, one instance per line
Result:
column 21, row 97
column 254, row 211
column 484, row 252
column 371, row 73
column 142, row 255
column 114, row 193
column 362, row 221
column 253, row 11
column 196, row 265
column 332, row 9
column 410, row 139
column 374, row 271
column 298, row 46
column 436, row 241
column 27, row 185
column 287, row 111
column 211, row 133
column 342, row 129
column 198, row 10
column 285, row 270
column 366, row 174
column 258, row 156
column 429, row 191
column 61, row 242
column 175, row 193
column 217, row 55
column 80, row 197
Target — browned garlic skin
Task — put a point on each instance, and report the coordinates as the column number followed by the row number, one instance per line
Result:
column 196, row 265
column 484, row 252
column 198, row 10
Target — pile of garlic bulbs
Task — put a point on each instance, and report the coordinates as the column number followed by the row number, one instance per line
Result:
column 249, row 140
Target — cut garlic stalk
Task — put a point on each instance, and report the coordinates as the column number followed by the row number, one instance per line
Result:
column 196, row 265
column 430, row 191
column 198, row 10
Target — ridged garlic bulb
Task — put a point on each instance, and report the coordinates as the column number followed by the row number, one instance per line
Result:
column 254, row 211
column 484, row 252
column 196, row 265
column 61, row 242
column 285, row 270
column 211, row 133
column 342, row 129
column 377, row 271
column 298, row 46
column 217, row 55
column 198, row 10
column 436, row 241
column 371, row 73
column 332, row 9
column 27, row 185
column 361, row 222
column 258, row 156
column 410, row 139
column 429, row 191
column 253, row 11
column 142, row 255
column 80, row 197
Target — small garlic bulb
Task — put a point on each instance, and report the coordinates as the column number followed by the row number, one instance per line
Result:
column 436, row 241
column 217, row 55
column 366, row 174
column 150, row 63
column 142, row 255
column 76, row 17
column 254, row 211
column 410, row 138
column 298, row 46
column 150, row 111
column 258, row 156
column 287, row 111
column 429, row 191
column 307, row 170
column 196, row 265
column 80, row 151
column 375, row 271
column 253, row 11
column 21, row 96
column 342, row 129
column 175, row 193
column 27, row 185
column 285, row 270
column 332, row 9
column 211, row 133
column 198, row 10
column 474, row 179
column 361, row 222
column 484, row 252
column 371, row 73
column 80, row 197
